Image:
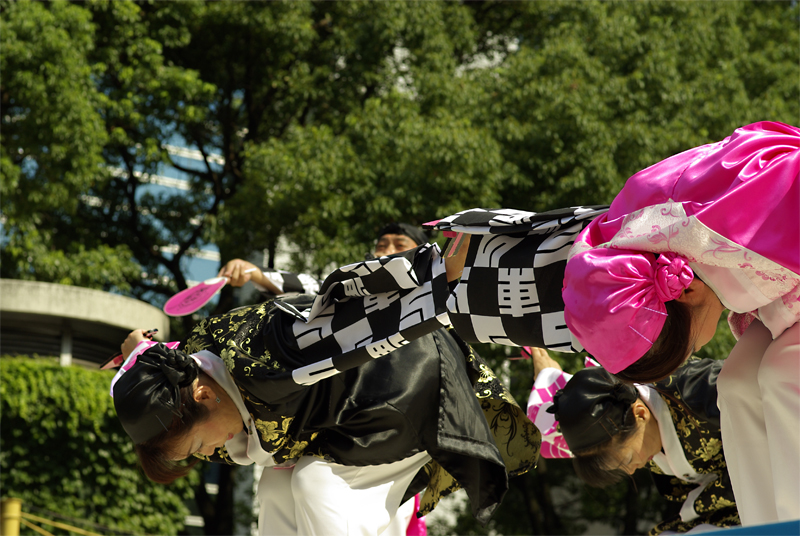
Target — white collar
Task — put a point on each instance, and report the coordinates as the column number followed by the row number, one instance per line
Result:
column 672, row 461
column 245, row 447
column 673, row 458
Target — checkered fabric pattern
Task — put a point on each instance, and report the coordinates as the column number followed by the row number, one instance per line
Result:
column 291, row 282
column 367, row 309
column 547, row 383
column 510, row 290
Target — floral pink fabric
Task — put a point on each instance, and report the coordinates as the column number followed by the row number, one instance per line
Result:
column 730, row 210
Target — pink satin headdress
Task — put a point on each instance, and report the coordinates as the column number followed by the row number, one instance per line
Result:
column 614, row 301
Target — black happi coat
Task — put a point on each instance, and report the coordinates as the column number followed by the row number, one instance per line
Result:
column 691, row 397
column 424, row 396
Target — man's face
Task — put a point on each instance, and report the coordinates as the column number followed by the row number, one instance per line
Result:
column 393, row 243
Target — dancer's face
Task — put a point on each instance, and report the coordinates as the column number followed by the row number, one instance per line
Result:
column 706, row 309
column 645, row 443
column 393, row 243
column 224, row 422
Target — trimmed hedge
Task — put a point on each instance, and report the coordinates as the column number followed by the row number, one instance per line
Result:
column 62, row 449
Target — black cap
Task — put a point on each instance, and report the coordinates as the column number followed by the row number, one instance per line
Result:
column 147, row 396
column 591, row 408
column 412, row 231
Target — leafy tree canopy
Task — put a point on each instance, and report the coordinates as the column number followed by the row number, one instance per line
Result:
column 597, row 91
column 321, row 121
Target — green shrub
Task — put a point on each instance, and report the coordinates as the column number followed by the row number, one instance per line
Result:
column 63, row 450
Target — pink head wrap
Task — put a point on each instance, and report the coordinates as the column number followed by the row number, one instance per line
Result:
column 614, row 301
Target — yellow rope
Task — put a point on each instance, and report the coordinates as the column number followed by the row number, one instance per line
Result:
column 58, row 525
column 34, row 527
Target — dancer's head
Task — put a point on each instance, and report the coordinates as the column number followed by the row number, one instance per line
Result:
column 397, row 237
column 172, row 410
column 639, row 314
column 608, row 428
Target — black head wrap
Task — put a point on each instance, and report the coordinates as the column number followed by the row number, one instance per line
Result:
column 591, row 408
column 412, row 231
column 147, row 396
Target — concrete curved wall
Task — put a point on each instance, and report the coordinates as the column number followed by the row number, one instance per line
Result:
column 73, row 322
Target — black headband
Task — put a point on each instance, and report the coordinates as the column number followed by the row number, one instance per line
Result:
column 412, row 231
column 591, row 408
column 147, row 396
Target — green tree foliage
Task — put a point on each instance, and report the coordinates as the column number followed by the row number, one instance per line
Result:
column 333, row 142
column 321, row 121
column 64, row 451
column 596, row 91
column 88, row 103
column 392, row 164
column 51, row 156
column 564, row 101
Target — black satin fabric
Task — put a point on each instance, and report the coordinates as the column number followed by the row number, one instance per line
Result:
column 147, row 396
column 418, row 398
column 591, row 408
column 696, row 385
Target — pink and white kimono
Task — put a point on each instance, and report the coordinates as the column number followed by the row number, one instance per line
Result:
column 732, row 210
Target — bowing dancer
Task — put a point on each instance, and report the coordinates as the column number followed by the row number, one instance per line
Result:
column 312, row 383
column 276, row 502
column 610, row 429
column 716, row 227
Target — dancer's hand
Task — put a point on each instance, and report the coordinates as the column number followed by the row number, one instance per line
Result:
column 542, row 360
column 239, row 272
column 134, row 337
column 454, row 265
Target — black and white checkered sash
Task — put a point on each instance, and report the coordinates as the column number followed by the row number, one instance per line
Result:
column 510, row 291
column 367, row 309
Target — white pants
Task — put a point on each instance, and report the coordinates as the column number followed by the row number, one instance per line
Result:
column 321, row 498
column 759, row 402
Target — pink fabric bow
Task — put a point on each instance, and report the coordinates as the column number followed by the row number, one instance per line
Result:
column 672, row 276
column 614, row 301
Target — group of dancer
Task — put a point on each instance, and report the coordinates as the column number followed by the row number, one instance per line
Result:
column 366, row 393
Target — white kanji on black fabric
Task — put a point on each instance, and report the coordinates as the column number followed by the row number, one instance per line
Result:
column 379, row 302
column 510, row 291
column 492, row 248
column 367, row 309
column 516, row 291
